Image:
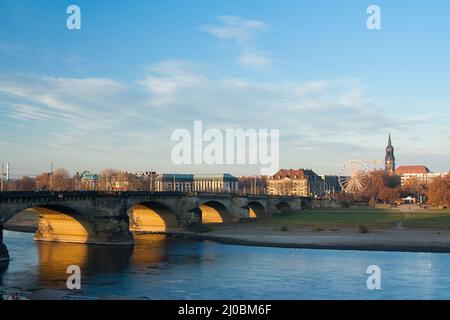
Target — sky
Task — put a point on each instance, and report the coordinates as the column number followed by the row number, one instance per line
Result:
column 110, row 94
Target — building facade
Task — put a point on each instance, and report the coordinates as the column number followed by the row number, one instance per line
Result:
column 175, row 182
column 301, row 182
column 252, row 184
column 89, row 181
column 216, row 183
column 331, row 184
column 418, row 174
column 148, row 179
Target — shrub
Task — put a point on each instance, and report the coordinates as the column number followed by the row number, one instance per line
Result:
column 363, row 229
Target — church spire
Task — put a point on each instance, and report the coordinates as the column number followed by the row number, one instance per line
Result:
column 389, row 163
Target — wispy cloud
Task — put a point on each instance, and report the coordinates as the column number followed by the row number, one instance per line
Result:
column 235, row 28
column 26, row 112
column 254, row 59
column 242, row 33
column 165, row 79
column 133, row 121
column 48, row 57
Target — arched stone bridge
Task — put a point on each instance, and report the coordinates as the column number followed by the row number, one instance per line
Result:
column 109, row 218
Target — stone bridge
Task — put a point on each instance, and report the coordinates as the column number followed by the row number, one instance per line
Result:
column 110, row 218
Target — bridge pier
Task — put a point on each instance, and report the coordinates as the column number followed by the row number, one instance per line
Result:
column 4, row 255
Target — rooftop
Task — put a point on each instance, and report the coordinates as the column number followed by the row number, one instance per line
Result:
column 293, row 174
column 421, row 169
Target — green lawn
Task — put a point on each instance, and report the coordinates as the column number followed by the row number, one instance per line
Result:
column 434, row 219
column 329, row 218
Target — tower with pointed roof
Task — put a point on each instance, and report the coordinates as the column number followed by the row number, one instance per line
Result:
column 389, row 162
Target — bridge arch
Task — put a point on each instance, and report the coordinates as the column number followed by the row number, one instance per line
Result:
column 284, row 207
column 58, row 223
column 152, row 216
column 215, row 212
column 256, row 210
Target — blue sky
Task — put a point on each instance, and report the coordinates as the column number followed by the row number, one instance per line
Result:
column 110, row 94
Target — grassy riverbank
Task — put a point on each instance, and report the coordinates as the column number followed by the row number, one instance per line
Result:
column 399, row 229
column 352, row 217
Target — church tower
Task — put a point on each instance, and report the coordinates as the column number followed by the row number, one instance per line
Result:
column 389, row 162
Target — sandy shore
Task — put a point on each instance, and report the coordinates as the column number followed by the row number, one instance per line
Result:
column 404, row 240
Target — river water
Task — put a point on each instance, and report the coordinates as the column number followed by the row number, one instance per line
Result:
column 162, row 268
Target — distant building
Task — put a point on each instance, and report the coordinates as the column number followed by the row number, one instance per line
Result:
column 301, row 182
column 148, row 179
column 252, row 184
column 123, row 181
column 175, row 182
column 420, row 174
column 120, row 182
column 89, row 181
column 331, row 184
column 389, row 162
column 216, row 183
column 412, row 170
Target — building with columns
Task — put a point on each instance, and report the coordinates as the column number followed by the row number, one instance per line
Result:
column 175, row 182
column 217, row 183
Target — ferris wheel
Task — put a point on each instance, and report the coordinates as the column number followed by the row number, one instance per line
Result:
column 354, row 176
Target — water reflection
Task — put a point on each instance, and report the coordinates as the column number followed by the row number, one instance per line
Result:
column 155, row 251
column 3, row 269
column 54, row 258
column 149, row 250
column 166, row 268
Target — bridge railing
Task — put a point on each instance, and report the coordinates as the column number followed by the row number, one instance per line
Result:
column 14, row 196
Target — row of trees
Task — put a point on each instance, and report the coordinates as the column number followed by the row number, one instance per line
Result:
column 381, row 189
column 61, row 180
column 384, row 188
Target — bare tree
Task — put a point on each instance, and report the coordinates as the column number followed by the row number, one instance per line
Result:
column 23, row 184
column 43, row 181
column 61, row 180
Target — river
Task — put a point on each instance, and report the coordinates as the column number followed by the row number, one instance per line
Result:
column 165, row 268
